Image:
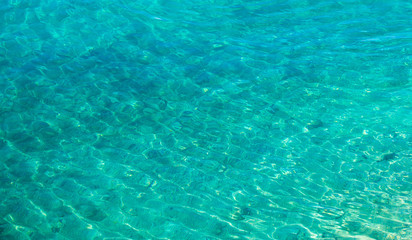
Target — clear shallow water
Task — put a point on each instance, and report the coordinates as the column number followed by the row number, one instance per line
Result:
column 205, row 119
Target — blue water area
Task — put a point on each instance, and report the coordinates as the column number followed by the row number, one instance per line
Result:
column 205, row 119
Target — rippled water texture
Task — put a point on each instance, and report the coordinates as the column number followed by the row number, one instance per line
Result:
column 205, row 119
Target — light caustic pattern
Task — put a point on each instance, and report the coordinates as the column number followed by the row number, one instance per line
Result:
column 205, row 119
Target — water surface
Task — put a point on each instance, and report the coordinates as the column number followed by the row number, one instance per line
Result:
column 205, row 119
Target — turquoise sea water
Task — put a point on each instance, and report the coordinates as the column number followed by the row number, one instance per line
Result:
column 205, row 119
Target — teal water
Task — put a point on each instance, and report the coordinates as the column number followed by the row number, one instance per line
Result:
column 212, row 119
